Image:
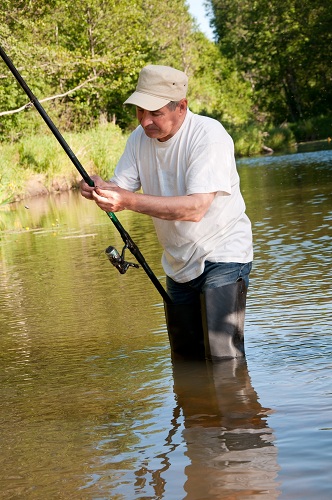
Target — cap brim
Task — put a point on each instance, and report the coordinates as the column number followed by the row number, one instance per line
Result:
column 146, row 101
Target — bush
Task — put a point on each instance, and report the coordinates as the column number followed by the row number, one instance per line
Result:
column 248, row 140
column 313, row 129
column 279, row 138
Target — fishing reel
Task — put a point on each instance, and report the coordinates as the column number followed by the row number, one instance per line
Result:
column 118, row 260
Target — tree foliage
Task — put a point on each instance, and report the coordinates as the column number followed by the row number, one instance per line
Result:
column 283, row 47
column 271, row 62
column 59, row 45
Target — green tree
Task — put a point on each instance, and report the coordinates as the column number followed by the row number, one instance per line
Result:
column 283, row 48
column 215, row 87
column 89, row 53
column 68, row 44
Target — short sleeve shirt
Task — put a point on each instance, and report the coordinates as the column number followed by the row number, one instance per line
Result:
column 199, row 158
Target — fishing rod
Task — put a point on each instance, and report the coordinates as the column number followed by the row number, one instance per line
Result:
column 113, row 255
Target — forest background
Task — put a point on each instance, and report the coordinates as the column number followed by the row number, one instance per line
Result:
column 266, row 76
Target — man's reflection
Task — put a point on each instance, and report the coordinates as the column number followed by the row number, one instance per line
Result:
column 227, row 439
column 229, row 443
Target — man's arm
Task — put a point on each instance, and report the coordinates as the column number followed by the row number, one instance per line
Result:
column 191, row 208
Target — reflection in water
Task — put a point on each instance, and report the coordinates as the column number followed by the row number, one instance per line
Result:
column 229, row 443
column 225, row 432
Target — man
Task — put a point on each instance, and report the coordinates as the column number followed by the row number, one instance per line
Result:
column 185, row 165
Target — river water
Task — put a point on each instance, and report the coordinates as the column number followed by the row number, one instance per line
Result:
column 91, row 405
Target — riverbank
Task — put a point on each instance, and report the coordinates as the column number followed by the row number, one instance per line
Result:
column 37, row 165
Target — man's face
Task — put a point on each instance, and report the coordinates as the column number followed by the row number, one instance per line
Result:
column 163, row 123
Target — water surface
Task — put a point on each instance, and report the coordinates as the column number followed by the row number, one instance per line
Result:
column 91, row 405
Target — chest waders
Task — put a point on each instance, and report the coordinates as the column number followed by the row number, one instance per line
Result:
column 212, row 329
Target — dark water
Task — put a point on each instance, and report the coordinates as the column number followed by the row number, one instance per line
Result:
column 91, row 406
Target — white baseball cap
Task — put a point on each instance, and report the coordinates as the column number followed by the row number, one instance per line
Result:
column 157, row 86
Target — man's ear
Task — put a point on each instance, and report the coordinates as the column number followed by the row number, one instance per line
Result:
column 183, row 104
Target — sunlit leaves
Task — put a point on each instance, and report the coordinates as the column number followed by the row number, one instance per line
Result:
column 283, row 47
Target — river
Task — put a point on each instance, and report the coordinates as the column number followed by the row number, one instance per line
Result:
column 92, row 406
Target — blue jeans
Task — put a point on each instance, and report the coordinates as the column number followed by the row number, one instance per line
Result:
column 215, row 274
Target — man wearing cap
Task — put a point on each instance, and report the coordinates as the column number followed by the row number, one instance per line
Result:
column 184, row 163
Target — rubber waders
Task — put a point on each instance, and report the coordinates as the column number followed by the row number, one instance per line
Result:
column 213, row 329
column 185, row 332
column 223, row 312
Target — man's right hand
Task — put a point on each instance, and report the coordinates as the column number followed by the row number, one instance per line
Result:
column 86, row 190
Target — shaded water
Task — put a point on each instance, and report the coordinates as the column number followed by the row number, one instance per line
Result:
column 91, row 406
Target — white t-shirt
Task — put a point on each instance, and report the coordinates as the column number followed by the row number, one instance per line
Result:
column 199, row 158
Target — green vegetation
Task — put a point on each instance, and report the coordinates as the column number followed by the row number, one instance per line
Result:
column 267, row 77
column 283, row 47
column 37, row 164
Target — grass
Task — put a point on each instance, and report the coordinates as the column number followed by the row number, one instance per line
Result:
column 42, row 157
